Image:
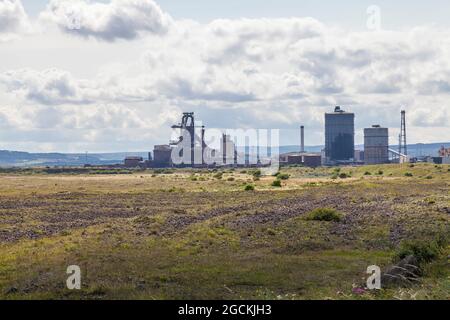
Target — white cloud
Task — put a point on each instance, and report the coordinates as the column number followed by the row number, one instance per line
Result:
column 118, row 19
column 13, row 20
column 54, row 87
column 94, row 127
column 278, row 59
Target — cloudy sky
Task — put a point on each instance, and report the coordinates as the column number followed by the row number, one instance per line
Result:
column 103, row 76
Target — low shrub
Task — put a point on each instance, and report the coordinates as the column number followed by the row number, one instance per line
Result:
column 283, row 176
column 423, row 251
column 324, row 214
column 257, row 173
column 249, row 187
column 276, row 183
column 163, row 171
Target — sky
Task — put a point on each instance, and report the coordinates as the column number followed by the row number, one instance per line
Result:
column 109, row 76
column 399, row 13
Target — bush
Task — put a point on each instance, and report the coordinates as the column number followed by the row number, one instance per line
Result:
column 257, row 173
column 367, row 173
column 163, row 171
column 218, row 175
column 173, row 189
column 380, row 172
column 276, row 183
column 408, row 174
column 230, row 179
column 249, row 187
column 283, row 176
column 324, row 214
column 343, row 176
column 423, row 251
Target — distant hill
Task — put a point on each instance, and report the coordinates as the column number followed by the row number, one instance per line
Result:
column 26, row 159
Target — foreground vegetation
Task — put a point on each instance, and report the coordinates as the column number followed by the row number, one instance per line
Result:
column 223, row 234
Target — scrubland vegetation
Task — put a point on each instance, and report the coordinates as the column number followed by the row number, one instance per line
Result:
column 223, row 234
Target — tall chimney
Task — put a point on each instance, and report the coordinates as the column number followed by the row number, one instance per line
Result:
column 302, row 139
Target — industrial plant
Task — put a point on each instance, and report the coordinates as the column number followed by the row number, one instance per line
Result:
column 376, row 145
column 191, row 150
column 339, row 137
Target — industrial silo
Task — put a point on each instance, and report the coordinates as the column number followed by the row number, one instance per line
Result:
column 376, row 145
column 339, row 136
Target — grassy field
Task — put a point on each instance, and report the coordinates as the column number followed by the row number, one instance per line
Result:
column 195, row 234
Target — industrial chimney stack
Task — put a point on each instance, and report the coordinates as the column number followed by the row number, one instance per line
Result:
column 403, row 145
column 302, row 139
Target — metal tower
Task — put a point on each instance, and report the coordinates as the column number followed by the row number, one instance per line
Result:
column 403, row 148
column 188, row 125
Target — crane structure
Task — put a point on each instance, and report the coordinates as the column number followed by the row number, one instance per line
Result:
column 187, row 130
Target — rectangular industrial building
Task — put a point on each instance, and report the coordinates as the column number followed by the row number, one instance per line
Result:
column 339, row 136
column 133, row 162
column 307, row 159
column 162, row 156
column 376, row 145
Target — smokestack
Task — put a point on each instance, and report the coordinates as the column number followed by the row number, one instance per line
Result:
column 302, row 139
